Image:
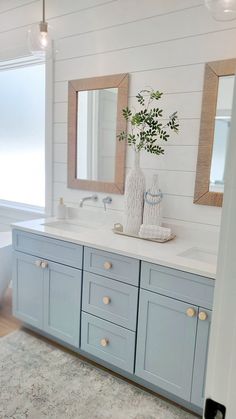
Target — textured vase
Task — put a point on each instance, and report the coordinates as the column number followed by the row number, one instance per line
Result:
column 152, row 204
column 134, row 198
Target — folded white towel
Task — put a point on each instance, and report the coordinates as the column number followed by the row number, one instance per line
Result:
column 149, row 231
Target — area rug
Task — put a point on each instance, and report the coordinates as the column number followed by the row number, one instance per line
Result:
column 39, row 380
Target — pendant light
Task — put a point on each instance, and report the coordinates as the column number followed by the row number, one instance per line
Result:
column 222, row 9
column 39, row 40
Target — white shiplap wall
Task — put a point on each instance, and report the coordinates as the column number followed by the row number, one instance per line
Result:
column 160, row 43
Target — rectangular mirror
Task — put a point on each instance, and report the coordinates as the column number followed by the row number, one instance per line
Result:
column 221, row 133
column 96, row 159
column 214, row 131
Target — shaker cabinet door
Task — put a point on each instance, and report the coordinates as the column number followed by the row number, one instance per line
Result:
column 166, row 343
column 28, row 289
column 62, row 295
column 201, row 352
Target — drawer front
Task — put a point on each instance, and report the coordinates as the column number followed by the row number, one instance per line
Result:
column 110, row 300
column 177, row 284
column 109, row 342
column 111, row 265
column 46, row 248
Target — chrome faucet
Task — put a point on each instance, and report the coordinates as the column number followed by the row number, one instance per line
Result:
column 93, row 198
column 106, row 200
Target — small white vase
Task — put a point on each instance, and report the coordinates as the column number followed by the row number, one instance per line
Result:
column 134, row 198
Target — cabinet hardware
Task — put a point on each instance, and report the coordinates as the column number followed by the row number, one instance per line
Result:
column 190, row 312
column 104, row 342
column 44, row 265
column 107, row 265
column 106, row 300
column 202, row 316
column 38, row 263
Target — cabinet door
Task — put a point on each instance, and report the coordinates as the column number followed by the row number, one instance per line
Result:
column 200, row 363
column 28, row 289
column 166, row 343
column 62, row 294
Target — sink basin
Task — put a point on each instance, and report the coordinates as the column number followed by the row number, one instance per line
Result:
column 74, row 226
column 202, row 255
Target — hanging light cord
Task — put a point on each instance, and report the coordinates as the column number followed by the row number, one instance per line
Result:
column 43, row 11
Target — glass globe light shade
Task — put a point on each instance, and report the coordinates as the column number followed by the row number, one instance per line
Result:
column 39, row 40
column 222, row 9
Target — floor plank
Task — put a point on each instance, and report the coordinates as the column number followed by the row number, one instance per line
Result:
column 8, row 323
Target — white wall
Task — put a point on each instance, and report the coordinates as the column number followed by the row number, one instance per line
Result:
column 161, row 43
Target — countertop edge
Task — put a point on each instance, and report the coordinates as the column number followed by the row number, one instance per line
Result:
column 90, row 243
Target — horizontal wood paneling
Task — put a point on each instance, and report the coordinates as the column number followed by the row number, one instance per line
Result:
column 187, row 104
column 162, row 44
column 157, row 29
column 172, row 53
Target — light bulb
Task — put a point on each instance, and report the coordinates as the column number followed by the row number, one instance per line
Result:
column 222, row 9
column 43, row 39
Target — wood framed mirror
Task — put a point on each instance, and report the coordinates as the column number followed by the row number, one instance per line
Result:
column 214, row 129
column 96, row 158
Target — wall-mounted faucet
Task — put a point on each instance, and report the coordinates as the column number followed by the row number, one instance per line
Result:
column 106, row 200
column 93, row 198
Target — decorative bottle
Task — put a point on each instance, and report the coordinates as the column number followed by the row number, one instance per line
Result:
column 134, row 198
column 152, row 204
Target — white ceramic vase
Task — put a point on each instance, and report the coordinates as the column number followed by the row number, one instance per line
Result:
column 134, row 198
column 152, row 204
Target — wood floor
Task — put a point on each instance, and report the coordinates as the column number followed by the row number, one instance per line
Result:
column 7, row 322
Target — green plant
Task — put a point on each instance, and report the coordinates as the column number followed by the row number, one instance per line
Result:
column 146, row 128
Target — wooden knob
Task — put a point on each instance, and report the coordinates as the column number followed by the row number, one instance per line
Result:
column 107, row 265
column 190, row 312
column 44, row 265
column 38, row 263
column 202, row 316
column 104, row 342
column 106, row 300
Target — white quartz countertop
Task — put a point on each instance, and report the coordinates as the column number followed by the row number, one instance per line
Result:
column 165, row 254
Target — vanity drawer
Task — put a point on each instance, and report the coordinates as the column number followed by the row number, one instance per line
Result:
column 47, row 248
column 177, row 284
column 114, row 266
column 109, row 342
column 111, row 300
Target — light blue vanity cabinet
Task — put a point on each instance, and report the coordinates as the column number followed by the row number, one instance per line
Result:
column 172, row 339
column 200, row 360
column 110, row 305
column 47, row 294
column 166, row 343
column 111, row 300
column 120, row 268
column 27, row 289
column 62, row 294
column 108, row 342
column 148, row 322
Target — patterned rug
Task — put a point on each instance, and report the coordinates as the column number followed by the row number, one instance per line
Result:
column 38, row 380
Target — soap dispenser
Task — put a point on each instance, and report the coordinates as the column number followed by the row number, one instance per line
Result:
column 61, row 209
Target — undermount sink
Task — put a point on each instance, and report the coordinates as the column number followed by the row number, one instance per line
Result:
column 202, row 255
column 75, row 226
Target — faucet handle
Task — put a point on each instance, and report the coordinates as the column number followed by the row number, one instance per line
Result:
column 106, row 200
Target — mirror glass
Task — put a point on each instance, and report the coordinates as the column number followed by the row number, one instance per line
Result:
column 96, row 134
column 221, row 132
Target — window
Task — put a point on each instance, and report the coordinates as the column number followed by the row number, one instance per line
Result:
column 22, row 135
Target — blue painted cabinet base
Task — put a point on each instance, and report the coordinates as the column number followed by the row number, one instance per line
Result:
column 49, row 298
column 170, row 354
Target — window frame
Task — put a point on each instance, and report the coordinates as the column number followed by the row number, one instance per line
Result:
column 32, row 209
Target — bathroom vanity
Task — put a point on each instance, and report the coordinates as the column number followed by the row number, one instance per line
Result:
column 146, row 320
